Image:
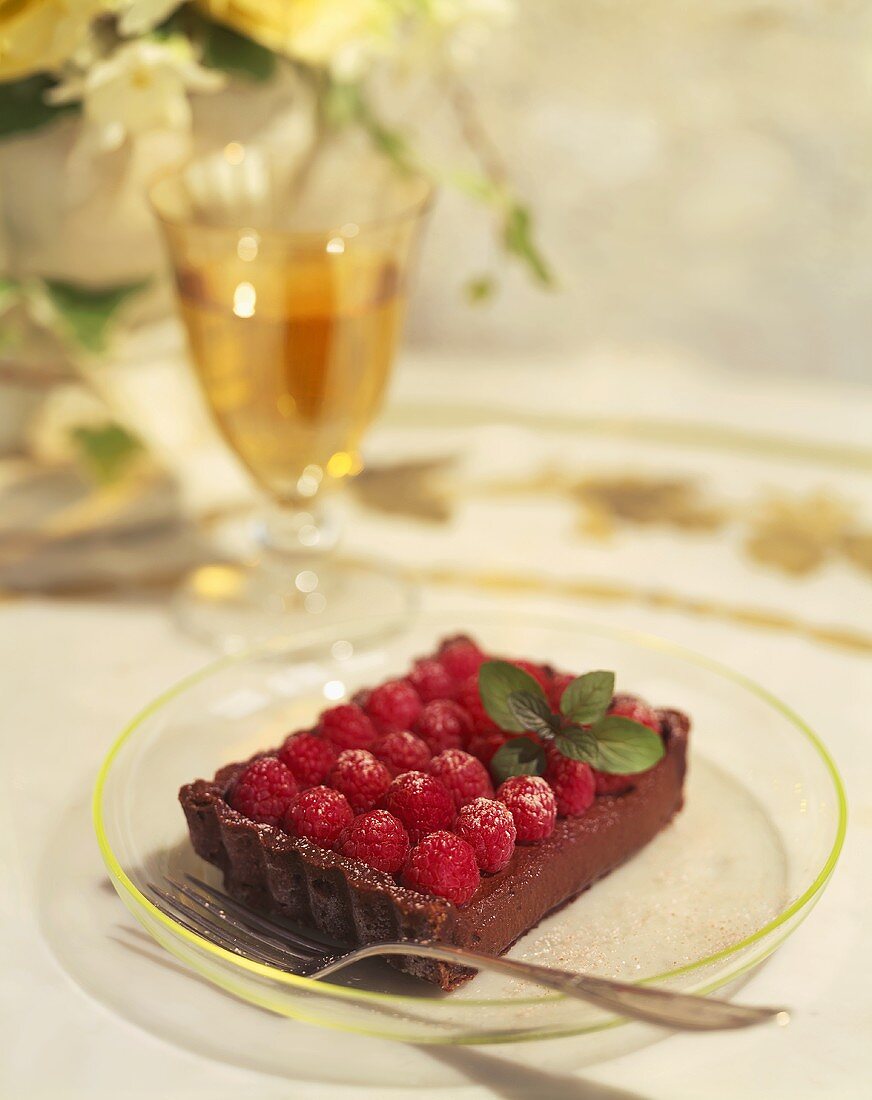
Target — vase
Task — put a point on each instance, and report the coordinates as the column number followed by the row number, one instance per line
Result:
column 85, row 221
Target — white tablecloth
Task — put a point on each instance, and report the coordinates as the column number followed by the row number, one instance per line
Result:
column 73, row 670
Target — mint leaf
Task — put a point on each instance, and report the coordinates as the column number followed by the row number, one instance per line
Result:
column 519, row 756
column 587, row 698
column 106, row 450
column 577, row 744
column 533, row 712
column 624, row 746
column 86, row 312
column 496, row 682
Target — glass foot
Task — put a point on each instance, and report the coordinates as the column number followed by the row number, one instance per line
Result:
column 234, row 607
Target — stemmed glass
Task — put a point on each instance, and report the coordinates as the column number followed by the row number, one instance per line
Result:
column 293, row 294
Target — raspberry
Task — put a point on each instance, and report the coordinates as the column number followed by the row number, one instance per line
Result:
column 461, row 657
column 444, row 865
column 347, row 727
column 394, row 705
column 361, row 778
column 613, row 784
column 542, row 678
column 308, row 756
column 484, row 745
column 573, row 783
column 443, row 724
column 463, row 776
column 631, row 706
column 264, row 790
column 421, row 803
column 401, row 751
column 488, row 827
column 532, row 805
column 469, row 698
column 376, row 839
column 431, row 680
column 319, row 814
column 559, row 684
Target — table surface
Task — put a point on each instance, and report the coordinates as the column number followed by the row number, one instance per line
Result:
column 700, row 565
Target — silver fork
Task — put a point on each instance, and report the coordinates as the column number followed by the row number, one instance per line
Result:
column 210, row 913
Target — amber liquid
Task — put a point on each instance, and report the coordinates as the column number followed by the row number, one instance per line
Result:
column 293, row 355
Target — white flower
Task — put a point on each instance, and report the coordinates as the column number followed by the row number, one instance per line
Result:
column 140, row 16
column 142, row 86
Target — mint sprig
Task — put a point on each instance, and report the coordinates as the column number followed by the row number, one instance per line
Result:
column 582, row 730
column 531, row 710
column 520, row 756
column 624, row 746
column 587, row 698
column 498, row 681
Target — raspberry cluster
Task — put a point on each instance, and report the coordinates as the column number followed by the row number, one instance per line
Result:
column 398, row 778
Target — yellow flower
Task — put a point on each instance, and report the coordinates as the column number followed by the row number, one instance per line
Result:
column 314, row 31
column 41, row 34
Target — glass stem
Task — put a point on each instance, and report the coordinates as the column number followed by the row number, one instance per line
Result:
column 299, row 529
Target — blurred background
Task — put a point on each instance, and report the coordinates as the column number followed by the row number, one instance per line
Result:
column 699, row 172
column 658, row 212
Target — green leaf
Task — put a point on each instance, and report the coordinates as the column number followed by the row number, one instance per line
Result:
column 480, row 289
column 87, row 312
column 518, row 240
column 587, row 698
column 478, row 187
column 533, row 712
column 390, row 142
column 577, row 744
column 342, row 103
column 106, row 450
column 345, row 105
column 23, row 107
column 624, row 746
column 496, row 682
column 519, row 756
column 10, row 290
column 222, row 48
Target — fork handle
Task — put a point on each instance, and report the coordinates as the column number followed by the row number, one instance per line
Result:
column 663, row 1007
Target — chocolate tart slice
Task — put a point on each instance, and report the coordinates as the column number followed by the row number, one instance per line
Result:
column 290, row 876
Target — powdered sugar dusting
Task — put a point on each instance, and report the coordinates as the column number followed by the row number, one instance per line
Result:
column 715, row 876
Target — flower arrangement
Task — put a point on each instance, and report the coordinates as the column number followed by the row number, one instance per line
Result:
column 131, row 67
column 130, row 71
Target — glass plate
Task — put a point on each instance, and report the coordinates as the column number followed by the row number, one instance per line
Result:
column 705, row 902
